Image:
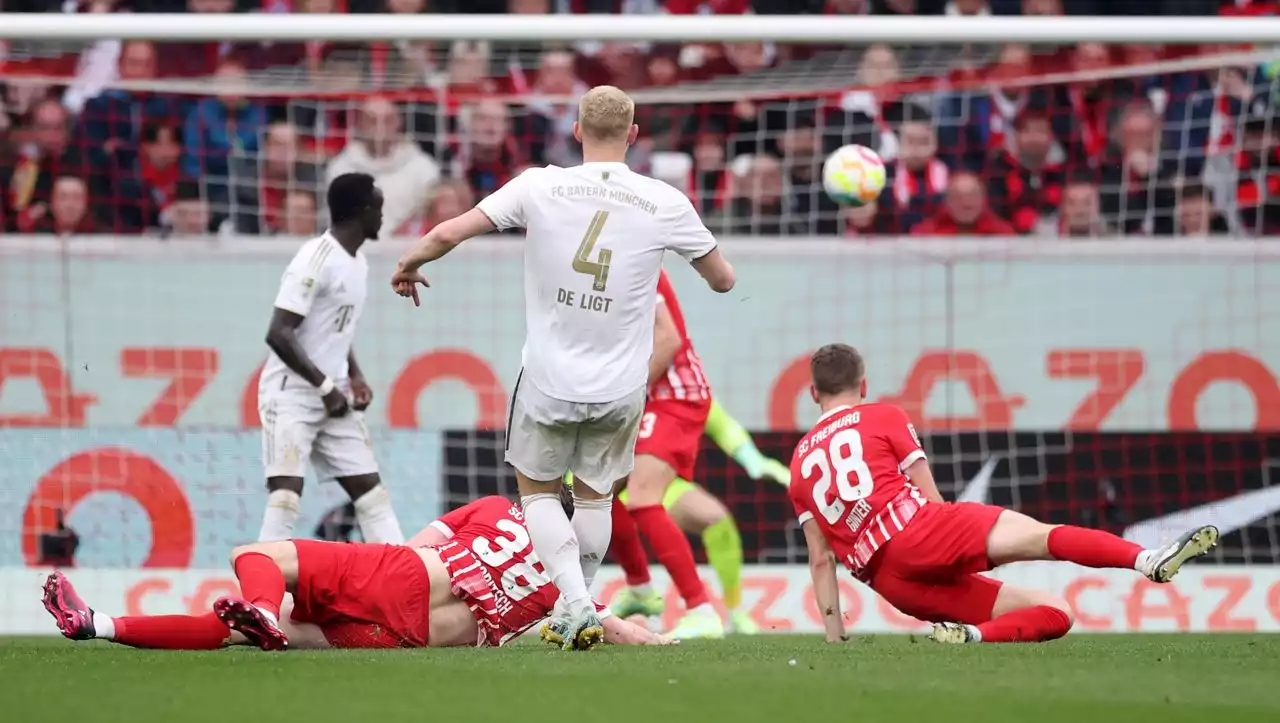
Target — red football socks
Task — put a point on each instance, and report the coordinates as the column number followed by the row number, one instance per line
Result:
column 626, row 547
column 672, row 550
column 1028, row 625
column 1092, row 548
column 261, row 582
column 172, row 632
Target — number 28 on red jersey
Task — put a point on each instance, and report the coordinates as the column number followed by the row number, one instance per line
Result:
column 848, row 475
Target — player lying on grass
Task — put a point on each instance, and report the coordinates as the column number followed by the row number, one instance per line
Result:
column 469, row 579
column 864, row 492
column 698, row 512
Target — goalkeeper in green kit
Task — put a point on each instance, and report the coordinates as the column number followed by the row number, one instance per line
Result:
column 697, row 512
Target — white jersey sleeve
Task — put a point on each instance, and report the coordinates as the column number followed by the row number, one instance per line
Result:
column 505, row 207
column 689, row 236
column 303, row 280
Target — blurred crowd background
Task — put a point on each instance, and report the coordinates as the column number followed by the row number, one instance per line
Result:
column 181, row 139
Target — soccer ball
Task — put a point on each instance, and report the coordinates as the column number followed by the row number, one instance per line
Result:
column 853, row 176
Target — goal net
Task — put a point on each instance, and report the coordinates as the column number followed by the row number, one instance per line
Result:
column 1102, row 355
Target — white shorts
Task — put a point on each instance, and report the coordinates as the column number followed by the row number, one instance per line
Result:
column 548, row 437
column 296, row 430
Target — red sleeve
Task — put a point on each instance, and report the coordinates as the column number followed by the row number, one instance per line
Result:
column 902, row 437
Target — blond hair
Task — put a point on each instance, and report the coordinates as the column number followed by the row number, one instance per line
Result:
column 605, row 113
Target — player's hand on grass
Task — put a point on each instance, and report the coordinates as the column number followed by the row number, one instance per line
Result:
column 843, row 638
column 361, row 394
column 405, row 283
column 335, row 403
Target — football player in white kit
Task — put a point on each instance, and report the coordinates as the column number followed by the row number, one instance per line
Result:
column 312, row 395
column 595, row 238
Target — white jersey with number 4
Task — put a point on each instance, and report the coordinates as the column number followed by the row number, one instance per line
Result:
column 595, row 237
column 327, row 286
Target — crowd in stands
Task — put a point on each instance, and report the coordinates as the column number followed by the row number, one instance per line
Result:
column 183, row 139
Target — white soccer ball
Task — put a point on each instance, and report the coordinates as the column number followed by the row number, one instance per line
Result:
column 853, row 175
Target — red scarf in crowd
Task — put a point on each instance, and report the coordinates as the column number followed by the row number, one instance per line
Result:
column 160, row 183
column 1092, row 118
column 906, row 187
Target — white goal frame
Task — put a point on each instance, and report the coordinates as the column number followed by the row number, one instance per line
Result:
column 660, row 28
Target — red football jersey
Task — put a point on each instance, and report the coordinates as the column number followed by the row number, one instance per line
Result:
column 493, row 568
column 684, row 379
column 847, row 475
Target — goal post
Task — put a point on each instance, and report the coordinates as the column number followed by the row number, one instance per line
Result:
column 648, row 28
column 1110, row 362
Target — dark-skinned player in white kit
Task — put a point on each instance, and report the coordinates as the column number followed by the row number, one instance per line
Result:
column 595, row 238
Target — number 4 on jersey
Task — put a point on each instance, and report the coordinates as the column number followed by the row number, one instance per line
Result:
column 582, row 263
column 845, row 461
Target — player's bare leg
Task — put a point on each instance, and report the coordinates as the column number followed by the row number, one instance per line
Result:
column 1025, row 615
column 265, row 571
column 556, row 544
column 646, row 488
column 374, row 514
column 284, row 506
column 698, row 512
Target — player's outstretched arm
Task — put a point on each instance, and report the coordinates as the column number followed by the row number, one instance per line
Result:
column 716, row 270
column 439, row 241
column 822, row 568
column 736, row 442
column 922, row 476
column 620, row 632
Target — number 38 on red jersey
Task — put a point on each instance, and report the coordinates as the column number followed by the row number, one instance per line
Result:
column 848, row 475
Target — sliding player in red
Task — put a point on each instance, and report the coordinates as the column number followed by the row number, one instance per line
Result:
column 675, row 415
column 864, row 492
column 470, row 579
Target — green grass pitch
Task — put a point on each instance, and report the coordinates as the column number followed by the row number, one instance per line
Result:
column 889, row 679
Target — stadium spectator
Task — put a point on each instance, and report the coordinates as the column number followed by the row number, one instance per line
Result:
column 968, row 7
column 216, row 128
column 189, row 212
column 144, row 191
column 1197, row 217
column 811, row 209
column 201, row 59
column 1025, row 179
column 546, row 127
column 68, row 210
column 917, row 178
column 1138, row 196
column 486, row 153
column 98, row 64
column 403, row 171
column 964, row 212
column 1092, row 104
column 709, row 176
column 860, row 116
column 301, row 218
column 447, row 199
column 112, row 121
column 614, row 63
column 262, row 182
column 974, row 124
column 864, row 221
column 1258, row 186
column 44, row 151
column 757, row 206
column 1080, row 213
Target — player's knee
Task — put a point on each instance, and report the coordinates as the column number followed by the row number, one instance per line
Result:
column 1065, row 608
column 238, row 552
column 359, row 485
column 286, row 484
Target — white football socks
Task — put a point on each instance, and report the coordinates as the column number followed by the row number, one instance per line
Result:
column 593, row 524
column 377, row 519
column 104, row 628
column 556, row 545
column 283, row 509
column 1146, row 559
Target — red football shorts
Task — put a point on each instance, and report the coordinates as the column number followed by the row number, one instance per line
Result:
column 363, row 595
column 671, row 430
column 929, row 570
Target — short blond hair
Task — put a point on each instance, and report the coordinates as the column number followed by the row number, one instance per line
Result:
column 605, row 113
